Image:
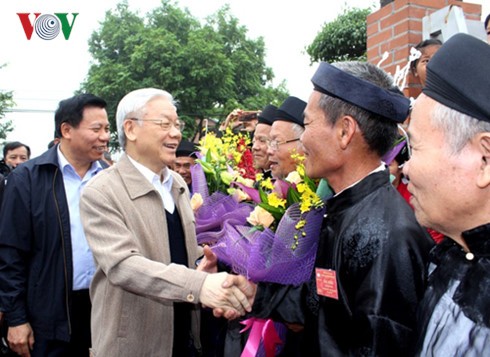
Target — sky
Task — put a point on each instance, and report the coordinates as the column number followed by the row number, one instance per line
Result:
column 42, row 72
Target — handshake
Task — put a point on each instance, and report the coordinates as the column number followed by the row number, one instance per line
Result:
column 228, row 295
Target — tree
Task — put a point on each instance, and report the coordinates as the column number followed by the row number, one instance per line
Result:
column 6, row 102
column 210, row 69
column 342, row 39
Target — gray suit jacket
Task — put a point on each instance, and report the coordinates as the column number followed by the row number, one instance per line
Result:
column 135, row 284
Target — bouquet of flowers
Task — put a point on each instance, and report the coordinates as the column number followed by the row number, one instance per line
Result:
column 280, row 241
column 221, row 163
column 268, row 232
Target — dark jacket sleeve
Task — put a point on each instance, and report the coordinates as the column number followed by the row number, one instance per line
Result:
column 2, row 188
column 282, row 303
column 15, row 238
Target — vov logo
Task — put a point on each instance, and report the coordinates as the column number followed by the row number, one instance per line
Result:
column 47, row 26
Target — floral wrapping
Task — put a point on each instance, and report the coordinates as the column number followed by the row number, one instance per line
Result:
column 286, row 256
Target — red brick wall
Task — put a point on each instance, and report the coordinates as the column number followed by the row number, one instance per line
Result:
column 397, row 27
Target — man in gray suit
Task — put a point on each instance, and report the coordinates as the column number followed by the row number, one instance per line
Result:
column 140, row 226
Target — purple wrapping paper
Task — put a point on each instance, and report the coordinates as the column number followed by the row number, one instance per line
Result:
column 217, row 209
column 268, row 256
column 391, row 154
column 259, row 255
column 199, row 184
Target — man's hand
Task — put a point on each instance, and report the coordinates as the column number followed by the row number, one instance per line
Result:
column 247, row 287
column 229, row 293
column 209, row 263
column 21, row 339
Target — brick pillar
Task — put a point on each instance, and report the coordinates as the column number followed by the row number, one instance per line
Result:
column 397, row 27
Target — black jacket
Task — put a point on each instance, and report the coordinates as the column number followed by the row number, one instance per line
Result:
column 454, row 315
column 35, row 248
column 379, row 252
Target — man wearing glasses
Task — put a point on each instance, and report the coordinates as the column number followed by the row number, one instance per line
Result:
column 284, row 137
column 370, row 267
column 140, row 226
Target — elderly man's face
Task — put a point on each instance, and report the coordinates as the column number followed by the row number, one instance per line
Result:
column 281, row 161
column 442, row 184
column 319, row 141
column 259, row 148
column 155, row 147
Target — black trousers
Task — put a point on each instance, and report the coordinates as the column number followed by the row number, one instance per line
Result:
column 80, row 341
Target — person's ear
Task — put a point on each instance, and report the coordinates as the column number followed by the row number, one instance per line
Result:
column 483, row 142
column 346, row 130
column 65, row 130
column 130, row 129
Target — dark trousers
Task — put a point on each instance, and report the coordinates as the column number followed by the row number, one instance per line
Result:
column 80, row 341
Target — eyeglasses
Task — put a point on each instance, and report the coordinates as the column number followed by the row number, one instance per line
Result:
column 407, row 138
column 165, row 124
column 274, row 144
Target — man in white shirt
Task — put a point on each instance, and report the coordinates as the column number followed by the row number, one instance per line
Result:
column 140, row 226
column 46, row 263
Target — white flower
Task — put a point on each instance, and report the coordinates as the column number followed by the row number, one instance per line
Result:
column 241, row 196
column 260, row 217
column 196, row 201
column 245, row 181
column 294, row 177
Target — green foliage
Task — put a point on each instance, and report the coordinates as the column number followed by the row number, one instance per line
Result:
column 6, row 102
column 210, row 68
column 342, row 39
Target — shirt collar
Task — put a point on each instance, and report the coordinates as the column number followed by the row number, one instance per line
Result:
column 153, row 177
column 379, row 168
column 63, row 163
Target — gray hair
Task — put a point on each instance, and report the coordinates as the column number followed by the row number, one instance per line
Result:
column 378, row 132
column 458, row 128
column 298, row 131
column 133, row 105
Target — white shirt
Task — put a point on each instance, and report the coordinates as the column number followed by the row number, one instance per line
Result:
column 83, row 261
column 379, row 168
column 164, row 188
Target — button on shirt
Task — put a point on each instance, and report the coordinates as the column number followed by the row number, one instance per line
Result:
column 164, row 188
column 83, row 261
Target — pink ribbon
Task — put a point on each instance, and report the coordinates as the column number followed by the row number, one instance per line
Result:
column 260, row 329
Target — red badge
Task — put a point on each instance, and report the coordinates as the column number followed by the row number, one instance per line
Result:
column 326, row 283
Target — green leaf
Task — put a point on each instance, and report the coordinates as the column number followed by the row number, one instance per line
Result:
column 276, row 212
column 263, row 196
column 293, row 196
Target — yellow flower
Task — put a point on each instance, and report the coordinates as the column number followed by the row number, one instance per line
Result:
column 301, row 170
column 260, row 217
column 196, row 201
column 301, row 223
column 302, row 188
column 276, row 201
column 267, row 184
column 305, row 204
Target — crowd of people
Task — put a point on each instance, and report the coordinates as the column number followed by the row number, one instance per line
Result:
column 100, row 258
